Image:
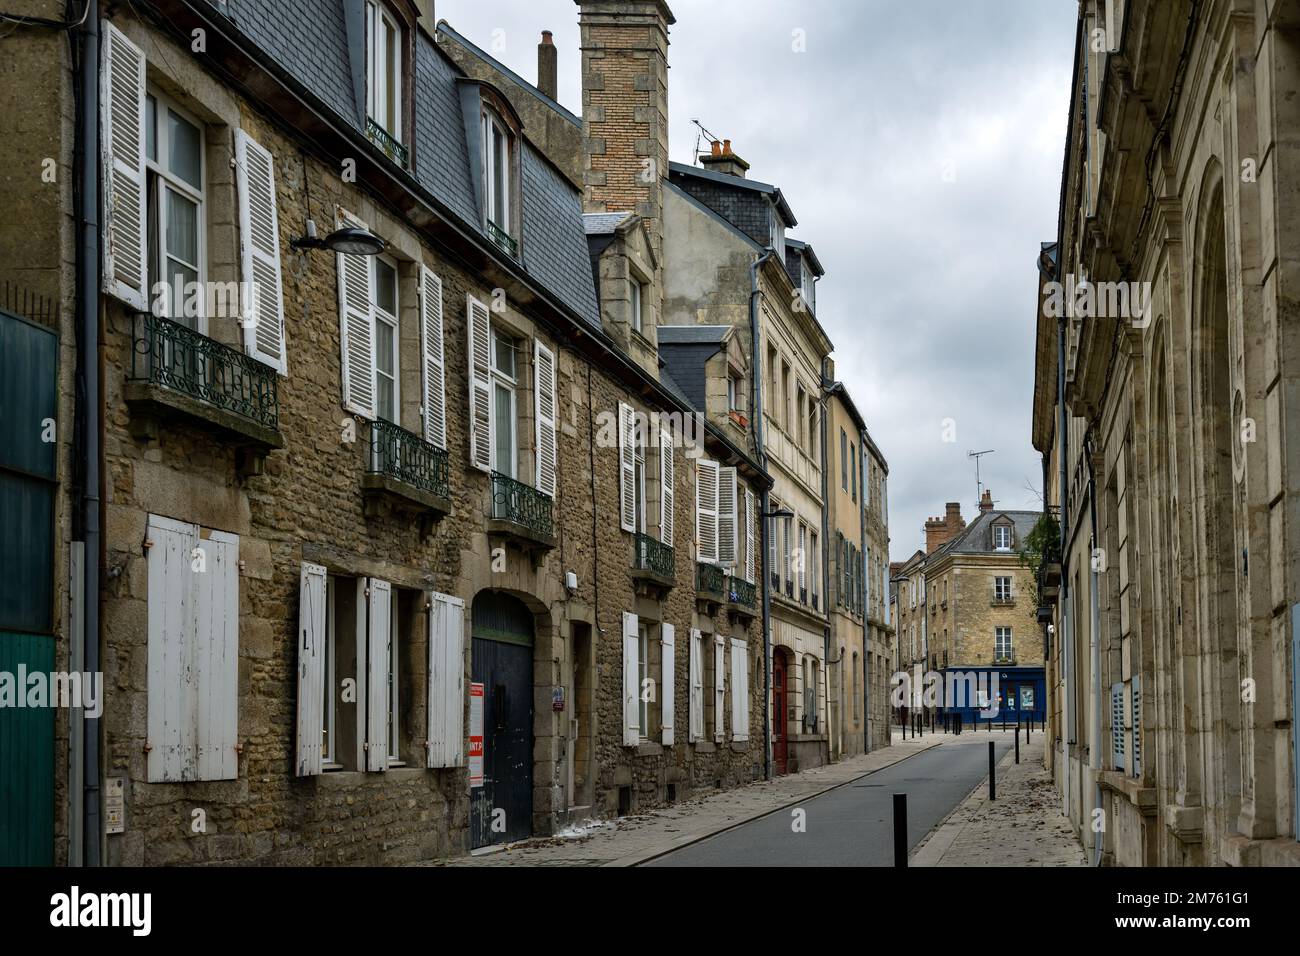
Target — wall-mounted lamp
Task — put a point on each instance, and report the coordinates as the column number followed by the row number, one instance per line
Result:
column 780, row 513
column 352, row 242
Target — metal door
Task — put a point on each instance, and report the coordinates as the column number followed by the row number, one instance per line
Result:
column 779, row 742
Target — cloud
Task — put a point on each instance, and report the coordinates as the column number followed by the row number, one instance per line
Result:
column 929, row 292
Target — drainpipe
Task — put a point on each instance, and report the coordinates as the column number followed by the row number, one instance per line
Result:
column 866, row 610
column 1094, row 748
column 826, row 628
column 88, row 418
column 1063, row 639
column 766, row 505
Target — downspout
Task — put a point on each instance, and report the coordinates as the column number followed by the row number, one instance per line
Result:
column 88, row 410
column 765, row 506
column 866, row 611
column 826, row 628
column 1094, row 747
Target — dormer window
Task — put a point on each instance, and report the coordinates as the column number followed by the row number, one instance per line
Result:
column 808, row 286
column 498, row 180
column 1002, row 537
column 637, row 291
column 778, row 233
column 385, row 56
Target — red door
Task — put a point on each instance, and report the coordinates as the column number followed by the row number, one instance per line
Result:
column 778, row 711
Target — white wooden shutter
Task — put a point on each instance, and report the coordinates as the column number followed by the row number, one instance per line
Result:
column 193, row 655
column 706, row 510
column 259, row 248
column 1135, row 725
column 667, row 486
column 727, row 525
column 668, row 682
column 433, row 358
column 379, row 606
column 1117, row 725
column 356, row 327
column 479, row 328
column 446, row 682
column 547, row 450
column 696, row 701
column 312, row 584
column 126, row 236
column 627, row 467
column 739, row 689
column 631, row 681
column 719, row 684
column 751, row 536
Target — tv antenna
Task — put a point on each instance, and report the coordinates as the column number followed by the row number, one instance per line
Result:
column 702, row 134
column 979, row 487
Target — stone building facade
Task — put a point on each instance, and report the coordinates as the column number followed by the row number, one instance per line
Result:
column 880, row 651
column 1161, row 408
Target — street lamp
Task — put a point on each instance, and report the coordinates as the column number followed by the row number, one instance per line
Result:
column 348, row 240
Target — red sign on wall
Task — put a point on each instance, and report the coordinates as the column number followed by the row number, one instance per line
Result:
column 476, row 735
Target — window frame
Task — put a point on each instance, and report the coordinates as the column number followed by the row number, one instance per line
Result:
column 998, row 643
column 998, row 531
column 509, row 383
column 492, row 120
column 1000, row 593
column 643, row 674
column 394, row 682
column 636, row 297
column 379, row 13
column 393, row 321
column 158, row 179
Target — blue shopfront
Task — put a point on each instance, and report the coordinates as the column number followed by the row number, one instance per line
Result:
column 982, row 695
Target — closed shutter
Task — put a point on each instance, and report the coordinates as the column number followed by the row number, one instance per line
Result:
column 706, row 510
column 356, row 327
column 696, row 701
column 547, row 453
column 193, row 653
column 1117, row 725
column 1135, row 725
column 751, row 528
column 312, row 585
column 739, row 689
column 434, row 362
column 626, row 467
column 126, row 241
column 803, row 561
column 667, row 486
column 631, row 681
column 727, row 517
column 379, row 607
column 719, row 684
column 479, row 328
column 668, row 681
column 446, row 706
column 259, row 247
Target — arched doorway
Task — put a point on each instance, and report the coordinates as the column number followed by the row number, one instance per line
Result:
column 780, row 743
column 501, row 809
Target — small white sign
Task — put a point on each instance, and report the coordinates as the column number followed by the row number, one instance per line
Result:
column 475, row 735
column 115, row 805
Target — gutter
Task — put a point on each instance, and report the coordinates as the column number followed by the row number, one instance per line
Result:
column 765, row 499
column 1094, row 748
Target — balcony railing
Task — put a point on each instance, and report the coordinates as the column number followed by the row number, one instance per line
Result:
column 385, row 141
column 710, row 579
column 176, row 357
column 520, row 504
column 742, row 592
column 408, row 458
column 502, row 238
column 654, row 555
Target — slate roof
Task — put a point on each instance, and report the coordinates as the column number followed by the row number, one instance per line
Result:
column 603, row 223
column 309, row 39
column 737, row 182
column 976, row 539
column 692, row 334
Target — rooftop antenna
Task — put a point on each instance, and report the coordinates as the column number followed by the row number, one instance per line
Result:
column 702, row 134
column 979, row 487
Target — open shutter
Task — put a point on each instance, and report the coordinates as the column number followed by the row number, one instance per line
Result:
column 379, row 606
column 1135, row 720
column 696, row 701
column 706, row 510
column 259, row 248
column 311, row 668
column 433, row 357
column 739, row 689
column 667, row 486
column 626, row 467
column 719, row 684
column 216, row 656
column 1117, row 725
column 356, row 327
column 631, row 681
column 446, row 706
column 171, row 688
column 479, row 327
column 547, row 452
column 668, row 681
column 727, row 517
column 751, row 537
column 126, row 242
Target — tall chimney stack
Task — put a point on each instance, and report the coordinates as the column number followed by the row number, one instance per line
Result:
column 548, row 67
column 721, row 159
column 986, row 501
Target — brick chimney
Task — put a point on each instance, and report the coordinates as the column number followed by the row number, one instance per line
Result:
column 986, row 502
column 722, row 160
column 939, row 531
column 625, row 108
column 548, row 67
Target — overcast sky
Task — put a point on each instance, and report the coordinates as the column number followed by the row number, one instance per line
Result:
column 919, row 144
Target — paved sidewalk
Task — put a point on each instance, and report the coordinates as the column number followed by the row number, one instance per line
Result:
column 1023, row 827
column 635, row 839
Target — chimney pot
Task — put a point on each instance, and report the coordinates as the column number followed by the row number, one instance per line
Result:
column 717, row 148
column 726, row 147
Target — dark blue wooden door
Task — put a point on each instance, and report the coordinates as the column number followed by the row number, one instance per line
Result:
column 501, row 810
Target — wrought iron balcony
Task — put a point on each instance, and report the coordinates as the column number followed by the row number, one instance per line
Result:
column 502, row 238
column 178, row 371
column 408, row 471
column 711, row 580
column 654, row 556
column 394, row 150
column 522, row 508
column 742, row 592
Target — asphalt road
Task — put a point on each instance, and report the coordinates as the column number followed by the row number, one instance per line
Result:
column 852, row 825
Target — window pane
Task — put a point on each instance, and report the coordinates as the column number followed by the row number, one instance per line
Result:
column 182, row 228
column 505, row 355
column 151, row 128
column 500, row 175
column 184, row 150
column 386, row 286
column 391, row 84
column 180, row 278
column 384, row 364
column 505, row 431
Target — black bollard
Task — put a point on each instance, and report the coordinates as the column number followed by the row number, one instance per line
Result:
column 993, row 789
column 1017, row 744
column 900, row 829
